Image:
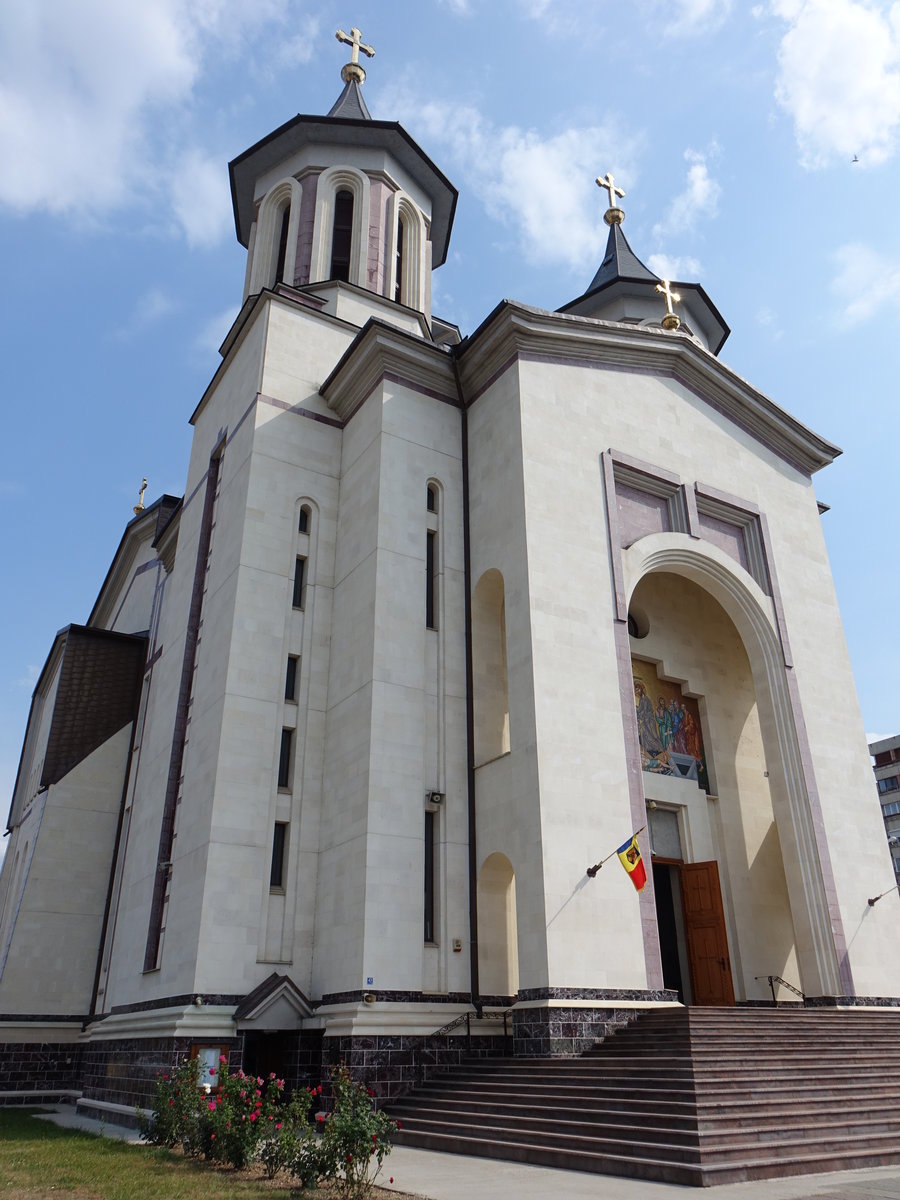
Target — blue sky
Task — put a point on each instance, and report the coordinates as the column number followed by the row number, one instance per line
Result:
column 731, row 126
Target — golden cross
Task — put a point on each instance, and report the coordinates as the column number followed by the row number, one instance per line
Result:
column 609, row 184
column 353, row 40
column 139, row 507
column 669, row 295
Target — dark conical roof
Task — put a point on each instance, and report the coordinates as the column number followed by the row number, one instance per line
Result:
column 623, row 278
column 350, row 104
column 620, row 262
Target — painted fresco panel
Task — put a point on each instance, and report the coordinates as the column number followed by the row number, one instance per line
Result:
column 669, row 728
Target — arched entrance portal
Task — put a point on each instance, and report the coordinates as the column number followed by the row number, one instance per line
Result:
column 703, row 637
column 498, row 954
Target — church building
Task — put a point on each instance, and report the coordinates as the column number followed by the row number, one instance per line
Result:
column 438, row 623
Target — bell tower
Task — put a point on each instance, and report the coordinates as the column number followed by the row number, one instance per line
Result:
column 344, row 207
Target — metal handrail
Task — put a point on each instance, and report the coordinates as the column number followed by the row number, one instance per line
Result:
column 773, row 979
column 454, row 1024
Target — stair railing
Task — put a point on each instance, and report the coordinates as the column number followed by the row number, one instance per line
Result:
column 773, row 979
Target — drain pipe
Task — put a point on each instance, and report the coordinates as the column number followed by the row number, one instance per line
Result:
column 470, row 697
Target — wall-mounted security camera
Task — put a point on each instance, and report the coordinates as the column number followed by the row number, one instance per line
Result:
column 434, row 797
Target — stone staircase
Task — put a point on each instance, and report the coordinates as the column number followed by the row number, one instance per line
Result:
column 693, row 1096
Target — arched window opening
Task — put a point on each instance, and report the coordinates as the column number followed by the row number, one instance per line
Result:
column 398, row 263
column 281, row 257
column 498, row 950
column 431, row 498
column 489, row 653
column 342, row 236
column 304, row 523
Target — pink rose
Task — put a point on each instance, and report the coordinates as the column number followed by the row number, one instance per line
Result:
column 212, row 1106
column 253, row 1116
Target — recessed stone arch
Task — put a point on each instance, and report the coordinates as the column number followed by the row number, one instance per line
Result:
column 413, row 267
column 821, row 948
column 332, row 181
column 498, row 950
column 491, row 686
column 283, row 198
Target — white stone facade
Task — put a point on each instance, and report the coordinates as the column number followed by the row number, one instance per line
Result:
column 545, row 479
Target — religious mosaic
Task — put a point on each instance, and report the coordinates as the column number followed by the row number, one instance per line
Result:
column 668, row 727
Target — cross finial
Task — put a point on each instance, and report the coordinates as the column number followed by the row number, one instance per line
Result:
column 354, row 68
column 139, row 507
column 613, row 215
column 671, row 320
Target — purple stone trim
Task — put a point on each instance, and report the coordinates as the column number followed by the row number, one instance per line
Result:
column 179, row 734
column 299, row 411
column 395, row 997
column 646, row 898
column 852, row 1001
column 612, row 994
column 644, row 468
column 614, row 535
column 776, row 590
column 242, row 418
column 661, row 373
column 513, row 358
column 690, row 507
column 153, row 660
column 154, row 563
column 711, row 493
column 392, row 377
column 176, row 1002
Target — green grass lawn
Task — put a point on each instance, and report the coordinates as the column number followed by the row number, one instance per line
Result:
column 39, row 1160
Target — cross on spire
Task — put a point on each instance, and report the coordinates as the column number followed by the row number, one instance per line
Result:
column 354, row 68
column 671, row 320
column 613, row 215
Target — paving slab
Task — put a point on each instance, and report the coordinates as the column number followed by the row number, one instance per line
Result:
column 459, row 1177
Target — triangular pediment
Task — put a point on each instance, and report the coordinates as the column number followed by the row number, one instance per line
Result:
column 277, row 1003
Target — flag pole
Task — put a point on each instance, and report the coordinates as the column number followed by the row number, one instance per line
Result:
column 592, row 871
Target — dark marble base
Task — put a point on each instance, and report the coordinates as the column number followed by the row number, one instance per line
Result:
column 565, row 1032
column 390, row 1066
column 45, row 1066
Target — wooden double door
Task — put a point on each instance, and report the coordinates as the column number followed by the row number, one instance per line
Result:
column 705, row 938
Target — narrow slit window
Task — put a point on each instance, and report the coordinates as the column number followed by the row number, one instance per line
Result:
column 303, row 523
column 299, row 597
column 342, row 236
column 398, row 268
column 279, row 845
column 430, row 579
column 284, row 758
column 431, row 498
column 292, row 675
column 282, row 244
column 429, row 876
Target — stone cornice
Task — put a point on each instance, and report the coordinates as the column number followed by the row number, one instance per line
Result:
column 516, row 332
column 382, row 351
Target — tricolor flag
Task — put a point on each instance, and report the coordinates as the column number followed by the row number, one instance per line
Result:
column 630, row 858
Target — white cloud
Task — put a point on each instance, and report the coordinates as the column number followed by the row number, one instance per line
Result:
column 864, row 283
column 461, row 7
column 700, row 196
column 152, row 307
column 688, row 18
column 212, row 334
column 94, row 95
column 839, row 79
column 200, row 198
column 668, row 266
column 542, row 186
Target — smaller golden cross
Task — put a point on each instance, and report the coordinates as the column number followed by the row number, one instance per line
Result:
column 613, row 215
column 139, row 507
column 354, row 41
column 671, row 320
column 609, row 184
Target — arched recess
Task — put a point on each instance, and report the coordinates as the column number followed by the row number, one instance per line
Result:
column 498, row 950
column 408, row 254
column 491, row 687
column 332, row 181
column 275, row 242
column 821, row 946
